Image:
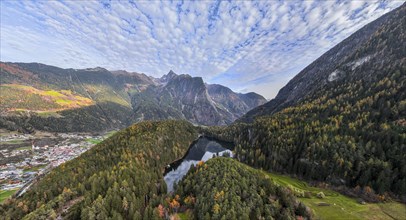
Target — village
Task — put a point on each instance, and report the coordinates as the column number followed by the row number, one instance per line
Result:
column 24, row 158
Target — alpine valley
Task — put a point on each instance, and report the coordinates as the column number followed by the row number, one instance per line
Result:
column 40, row 97
column 330, row 145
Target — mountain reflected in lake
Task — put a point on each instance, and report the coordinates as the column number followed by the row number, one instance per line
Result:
column 201, row 150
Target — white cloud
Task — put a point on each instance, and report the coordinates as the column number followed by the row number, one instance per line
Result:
column 257, row 46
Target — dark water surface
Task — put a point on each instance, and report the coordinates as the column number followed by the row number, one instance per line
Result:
column 202, row 149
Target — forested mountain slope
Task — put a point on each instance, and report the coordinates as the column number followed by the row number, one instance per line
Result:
column 222, row 188
column 121, row 177
column 38, row 96
column 376, row 49
column 350, row 129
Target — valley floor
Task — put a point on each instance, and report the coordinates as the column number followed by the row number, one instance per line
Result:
column 26, row 157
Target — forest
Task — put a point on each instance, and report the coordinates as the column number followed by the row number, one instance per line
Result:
column 222, row 188
column 348, row 134
column 351, row 131
column 93, row 118
column 120, row 178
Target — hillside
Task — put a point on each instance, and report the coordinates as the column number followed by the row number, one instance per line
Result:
column 120, row 177
column 369, row 53
column 334, row 205
column 40, row 97
column 222, row 188
column 349, row 127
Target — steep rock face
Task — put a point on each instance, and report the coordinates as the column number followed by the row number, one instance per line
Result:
column 374, row 46
column 186, row 97
column 166, row 78
column 179, row 97
column 189, row 95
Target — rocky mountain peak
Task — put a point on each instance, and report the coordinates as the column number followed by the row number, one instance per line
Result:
column 167, row 77
column 96, row 69
column 132, row 97
column 171, row 73
column 186, row 97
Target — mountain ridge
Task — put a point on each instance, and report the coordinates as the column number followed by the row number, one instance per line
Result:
column 136, row 95
column 186, row 97
column 348, row 128
column 317, row 74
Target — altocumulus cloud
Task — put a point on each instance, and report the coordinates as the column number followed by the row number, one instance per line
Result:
column 247, row 45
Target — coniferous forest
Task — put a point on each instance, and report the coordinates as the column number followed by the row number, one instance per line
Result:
column 222, row 188
column 350, row 135
column 350, row 131
column 120, row 178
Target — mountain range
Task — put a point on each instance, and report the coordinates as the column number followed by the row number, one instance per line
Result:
column 38, row 96
column 340, row 124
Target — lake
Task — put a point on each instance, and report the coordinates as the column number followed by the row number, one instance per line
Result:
column 202, row 149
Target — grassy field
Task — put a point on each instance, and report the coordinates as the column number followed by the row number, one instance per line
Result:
column 336, row 205
column 4, row 194
column 182, row 216
column 46, row 114
column 24, row 148
column 110, row 133
column 106, row 135
column 93, row 141
column 13, row 142
column 340, row 206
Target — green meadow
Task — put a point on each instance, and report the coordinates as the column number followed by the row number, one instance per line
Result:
column 334, row 206
column 93, row 141
column 338, row 206
column 5, row 194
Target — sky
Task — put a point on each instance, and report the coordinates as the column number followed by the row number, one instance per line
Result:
column 245, row 45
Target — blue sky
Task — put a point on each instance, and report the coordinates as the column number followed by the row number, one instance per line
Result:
column 245, row 45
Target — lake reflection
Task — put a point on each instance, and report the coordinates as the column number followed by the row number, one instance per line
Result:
column 202, row 150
